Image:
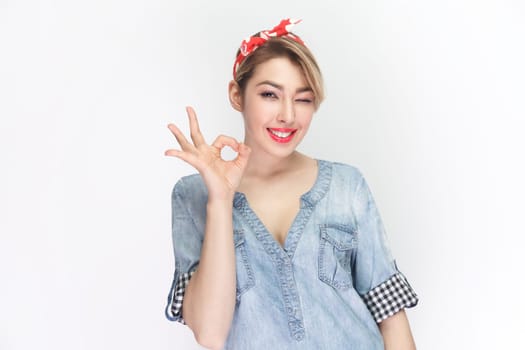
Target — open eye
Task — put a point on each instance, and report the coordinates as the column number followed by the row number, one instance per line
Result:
column 268, row 94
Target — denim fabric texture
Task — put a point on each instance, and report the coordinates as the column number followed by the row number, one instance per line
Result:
column 307, row 294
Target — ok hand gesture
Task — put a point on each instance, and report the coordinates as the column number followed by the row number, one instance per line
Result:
column 220, row 176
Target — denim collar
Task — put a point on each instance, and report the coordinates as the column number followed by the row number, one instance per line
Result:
column 308, row 199
column 308, row 202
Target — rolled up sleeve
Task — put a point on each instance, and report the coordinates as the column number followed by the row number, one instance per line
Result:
column 187, row 244
column 383, row 288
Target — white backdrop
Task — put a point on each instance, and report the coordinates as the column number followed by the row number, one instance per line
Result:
column 425, row 97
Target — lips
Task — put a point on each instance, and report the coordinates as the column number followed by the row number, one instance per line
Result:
column 281, row 135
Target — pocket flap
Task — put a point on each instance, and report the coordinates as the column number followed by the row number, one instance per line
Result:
column 238, row 237
column 340, row 236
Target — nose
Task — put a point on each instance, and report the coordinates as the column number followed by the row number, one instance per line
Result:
column 287, row 114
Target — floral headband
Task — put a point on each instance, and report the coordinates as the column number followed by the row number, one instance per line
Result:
column 250, row 44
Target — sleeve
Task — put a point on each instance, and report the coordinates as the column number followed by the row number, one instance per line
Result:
column 187, row 242
column 383, row 288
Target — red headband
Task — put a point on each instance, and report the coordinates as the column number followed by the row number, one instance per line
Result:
column 249, row 45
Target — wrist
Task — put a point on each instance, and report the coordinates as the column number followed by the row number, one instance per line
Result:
column 225, row 201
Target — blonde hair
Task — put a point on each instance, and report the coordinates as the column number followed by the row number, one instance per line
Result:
column 291, row 49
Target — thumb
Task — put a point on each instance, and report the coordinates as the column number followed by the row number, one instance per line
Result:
column 243, row 155
column 244, row 151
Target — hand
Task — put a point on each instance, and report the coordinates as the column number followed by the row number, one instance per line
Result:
column 220, row 176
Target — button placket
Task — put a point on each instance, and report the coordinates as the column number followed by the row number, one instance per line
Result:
column 282, row 256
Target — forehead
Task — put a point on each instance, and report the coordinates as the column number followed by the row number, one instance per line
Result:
column 280, row 70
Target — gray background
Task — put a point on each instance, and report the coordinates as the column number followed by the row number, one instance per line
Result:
column 425, row 97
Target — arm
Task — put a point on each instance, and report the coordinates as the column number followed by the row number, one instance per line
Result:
column 396, row 332
column 384, row 289
column 209, row 298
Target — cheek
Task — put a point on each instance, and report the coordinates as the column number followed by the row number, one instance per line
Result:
column 252, row 120
column 258, row 112
column 306, row 118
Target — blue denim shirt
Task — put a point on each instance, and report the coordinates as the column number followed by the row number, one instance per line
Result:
column 326, row 288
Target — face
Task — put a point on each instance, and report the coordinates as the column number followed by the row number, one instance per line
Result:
column 277, row 107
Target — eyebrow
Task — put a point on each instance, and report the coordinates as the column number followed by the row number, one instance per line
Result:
column 280, row 87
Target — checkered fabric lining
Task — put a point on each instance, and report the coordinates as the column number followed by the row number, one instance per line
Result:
column 389, row 297
column 178, row 295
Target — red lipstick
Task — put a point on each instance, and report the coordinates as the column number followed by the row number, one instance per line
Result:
column 281, row 135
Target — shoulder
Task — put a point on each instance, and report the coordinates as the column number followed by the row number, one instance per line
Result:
column 344, row 174
column 190, row 185
column 189, row 198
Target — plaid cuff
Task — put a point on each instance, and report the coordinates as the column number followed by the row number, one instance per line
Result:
column 390, row 297
column 178, row 296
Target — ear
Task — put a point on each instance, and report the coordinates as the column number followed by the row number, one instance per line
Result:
column 235, row 95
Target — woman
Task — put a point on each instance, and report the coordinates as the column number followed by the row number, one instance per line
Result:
column 275, row 249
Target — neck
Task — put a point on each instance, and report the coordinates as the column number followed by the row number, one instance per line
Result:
column 265, row 166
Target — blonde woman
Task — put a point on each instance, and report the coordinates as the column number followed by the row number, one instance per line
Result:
column 275, row 249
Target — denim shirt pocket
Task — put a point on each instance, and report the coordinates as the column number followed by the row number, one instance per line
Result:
column 336, row 247
column 245, row 277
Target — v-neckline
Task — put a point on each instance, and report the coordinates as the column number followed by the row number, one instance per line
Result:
column 307, row 202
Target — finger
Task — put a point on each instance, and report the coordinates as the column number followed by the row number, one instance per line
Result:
column 181, row 139
column 244, row 150
column 172, row 152
column 189, row 158
column 195, row 131
column 221, row 141
column 242, row 157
